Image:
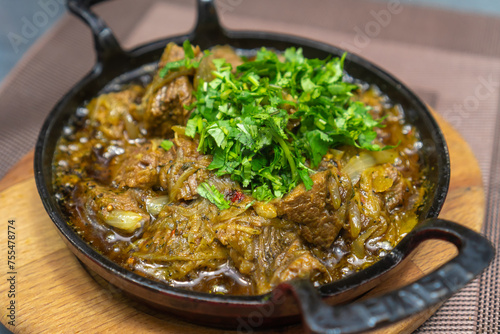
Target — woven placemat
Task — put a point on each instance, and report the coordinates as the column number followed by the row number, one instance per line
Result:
column 450, row 59
column 488, row 316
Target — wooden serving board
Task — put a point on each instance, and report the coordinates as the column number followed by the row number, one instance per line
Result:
column 54, row 293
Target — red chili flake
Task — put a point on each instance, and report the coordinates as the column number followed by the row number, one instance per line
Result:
column 172, row 233
column 237, row 196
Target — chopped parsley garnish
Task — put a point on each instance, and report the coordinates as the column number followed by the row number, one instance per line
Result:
column 166, row 145
column 276, row 116
column 211, row 193
column 187, row 62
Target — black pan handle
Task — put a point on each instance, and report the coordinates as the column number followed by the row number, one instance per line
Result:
column 208, row 23
column 105, row 43
column 475, row 253
column 207, row 31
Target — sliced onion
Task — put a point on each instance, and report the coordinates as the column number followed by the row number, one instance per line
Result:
column 354, row 219
column 127, row 221
column 384, row 157
column 333, row 189
column 358, row 164
column 246, row 229
column 336, row 154
column 358, row 246
column 155, row 204
column 131, row 127
column 180, row 130
column 180, row 181
column 266, row 210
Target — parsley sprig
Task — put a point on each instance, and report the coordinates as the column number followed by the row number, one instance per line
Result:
column 187, row 62
column 213, row 195
column 245, row 119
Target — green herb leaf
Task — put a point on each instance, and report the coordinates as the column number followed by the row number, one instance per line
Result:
column 187, row 62
column 173, row 65
column 213, row 195
column 319, row 143
column 166, row 145
column 190, row 130
column 188, row 49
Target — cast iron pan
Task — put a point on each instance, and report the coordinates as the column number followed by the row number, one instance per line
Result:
column 293, row 300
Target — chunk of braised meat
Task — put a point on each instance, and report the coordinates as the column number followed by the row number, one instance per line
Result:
column 118, row 209
column 397, row 196
column 167, row 107
column 313, row 211
column 177, row 244
column 390, row 183
column 111, row 113
column 241, row 235
column 323, row 232
column 138, row 166
column 179, row 171
column 182, row 175
column 163, row 103
column 295, row 262
column 267, row 254
column 306, row 206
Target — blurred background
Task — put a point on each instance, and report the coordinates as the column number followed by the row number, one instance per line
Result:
column 447, row 51
column 22, row 23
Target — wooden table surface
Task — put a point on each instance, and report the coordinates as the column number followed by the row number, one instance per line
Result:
column 54, row 294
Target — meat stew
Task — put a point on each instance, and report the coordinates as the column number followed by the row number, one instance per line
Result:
column 130, row 180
